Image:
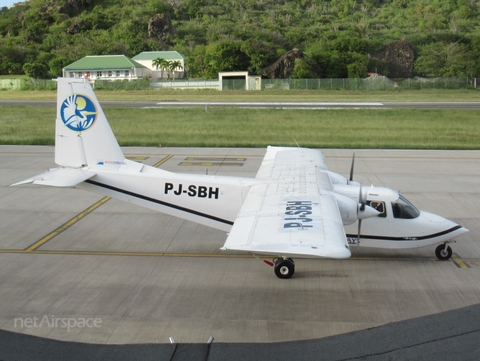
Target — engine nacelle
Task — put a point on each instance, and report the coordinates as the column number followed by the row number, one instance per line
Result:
column 348, row 208
column 337, row 178
column 351, row 211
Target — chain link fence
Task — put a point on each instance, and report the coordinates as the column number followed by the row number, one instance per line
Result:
column 371, row 83
column 28, row 84
column 125, row 84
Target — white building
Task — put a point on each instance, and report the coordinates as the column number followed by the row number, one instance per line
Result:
column 146, row 58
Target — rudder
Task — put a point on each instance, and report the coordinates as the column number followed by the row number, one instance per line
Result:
column 83, row 136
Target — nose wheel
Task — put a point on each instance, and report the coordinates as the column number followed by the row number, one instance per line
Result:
column 443, row 252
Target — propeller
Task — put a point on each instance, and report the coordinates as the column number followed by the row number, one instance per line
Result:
column 352, row 167
column 361, row 205
column 362, row 199
column 364, row 210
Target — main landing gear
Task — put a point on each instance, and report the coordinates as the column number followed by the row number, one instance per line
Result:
column 443, row 251
column 284, row 268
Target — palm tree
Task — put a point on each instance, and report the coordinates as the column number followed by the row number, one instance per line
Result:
column 174, row 64
column 162, row 64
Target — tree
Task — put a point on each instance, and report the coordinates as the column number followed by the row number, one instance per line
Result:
column 445, row 59
column 57, row 64
column 302, row 70
column 224, row 56
column 357, row 65
column 260, row 53
column 162, row 64
column 209, row 32
column 174, row 64
column 35, row 70
column 12, row 58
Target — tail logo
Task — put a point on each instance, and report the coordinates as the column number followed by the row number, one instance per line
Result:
column 78, row 112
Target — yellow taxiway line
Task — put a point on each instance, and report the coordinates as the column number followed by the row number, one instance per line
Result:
column 459, row 263
column 158, row 164
column 78, row 217
column 456, row 259
column 66, row 225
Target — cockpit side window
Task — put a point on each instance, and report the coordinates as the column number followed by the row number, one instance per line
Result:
column 379, row 206
column 402, row 208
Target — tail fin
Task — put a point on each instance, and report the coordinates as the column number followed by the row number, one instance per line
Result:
column 83, row 135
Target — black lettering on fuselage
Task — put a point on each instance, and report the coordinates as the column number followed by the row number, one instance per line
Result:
column 179, row 190
column 193, row 190
column 202, row 192
column 168, row 187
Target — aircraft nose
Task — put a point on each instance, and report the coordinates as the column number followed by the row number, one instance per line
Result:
column 444, row 224
column 435, row 218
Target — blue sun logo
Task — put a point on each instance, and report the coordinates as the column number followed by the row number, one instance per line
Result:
column 78, row 112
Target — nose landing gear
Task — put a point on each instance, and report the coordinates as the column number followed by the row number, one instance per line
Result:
column 444, row 251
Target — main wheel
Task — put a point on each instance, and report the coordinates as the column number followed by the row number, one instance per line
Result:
column 284, row 268
column 442, row 253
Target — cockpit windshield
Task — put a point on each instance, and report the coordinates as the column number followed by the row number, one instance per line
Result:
column 402, row 208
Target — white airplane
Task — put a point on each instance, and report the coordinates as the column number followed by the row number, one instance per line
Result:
column 294, row 207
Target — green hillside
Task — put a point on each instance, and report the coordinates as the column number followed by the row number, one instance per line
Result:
column 339, row 38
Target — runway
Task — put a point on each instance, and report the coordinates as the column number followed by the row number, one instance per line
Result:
column 65, row 253
column 276, row 105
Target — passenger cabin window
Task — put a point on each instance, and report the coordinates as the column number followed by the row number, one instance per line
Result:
column 402, row 208
column 379, row 206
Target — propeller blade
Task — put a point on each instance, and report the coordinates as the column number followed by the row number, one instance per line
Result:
column 364, row 210
column 359, row 230
column 362, row 199
column 352, row 167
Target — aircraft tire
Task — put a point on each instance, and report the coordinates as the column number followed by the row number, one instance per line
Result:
column 443, row 254
column 284, row 268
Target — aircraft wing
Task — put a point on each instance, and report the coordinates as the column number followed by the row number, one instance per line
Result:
column 60, row 177
column 293, row 213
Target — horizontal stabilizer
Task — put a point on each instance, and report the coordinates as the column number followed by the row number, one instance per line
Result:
column 60, row 177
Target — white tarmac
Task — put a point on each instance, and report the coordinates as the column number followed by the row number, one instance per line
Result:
column 148, row 276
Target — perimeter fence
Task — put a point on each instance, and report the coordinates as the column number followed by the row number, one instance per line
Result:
column 371, row 83
column 27, row 84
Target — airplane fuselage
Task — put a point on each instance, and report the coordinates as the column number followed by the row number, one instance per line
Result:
column 215, row 201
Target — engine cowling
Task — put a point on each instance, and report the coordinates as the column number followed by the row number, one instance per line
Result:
column 351, row 211
column 348, row 208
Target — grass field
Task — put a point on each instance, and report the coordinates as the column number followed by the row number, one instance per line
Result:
column 424, row 95
column 229, row 127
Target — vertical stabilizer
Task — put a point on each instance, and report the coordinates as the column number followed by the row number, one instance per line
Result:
column 83, row 135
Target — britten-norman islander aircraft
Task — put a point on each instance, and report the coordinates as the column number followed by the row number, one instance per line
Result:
column 294, row 207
